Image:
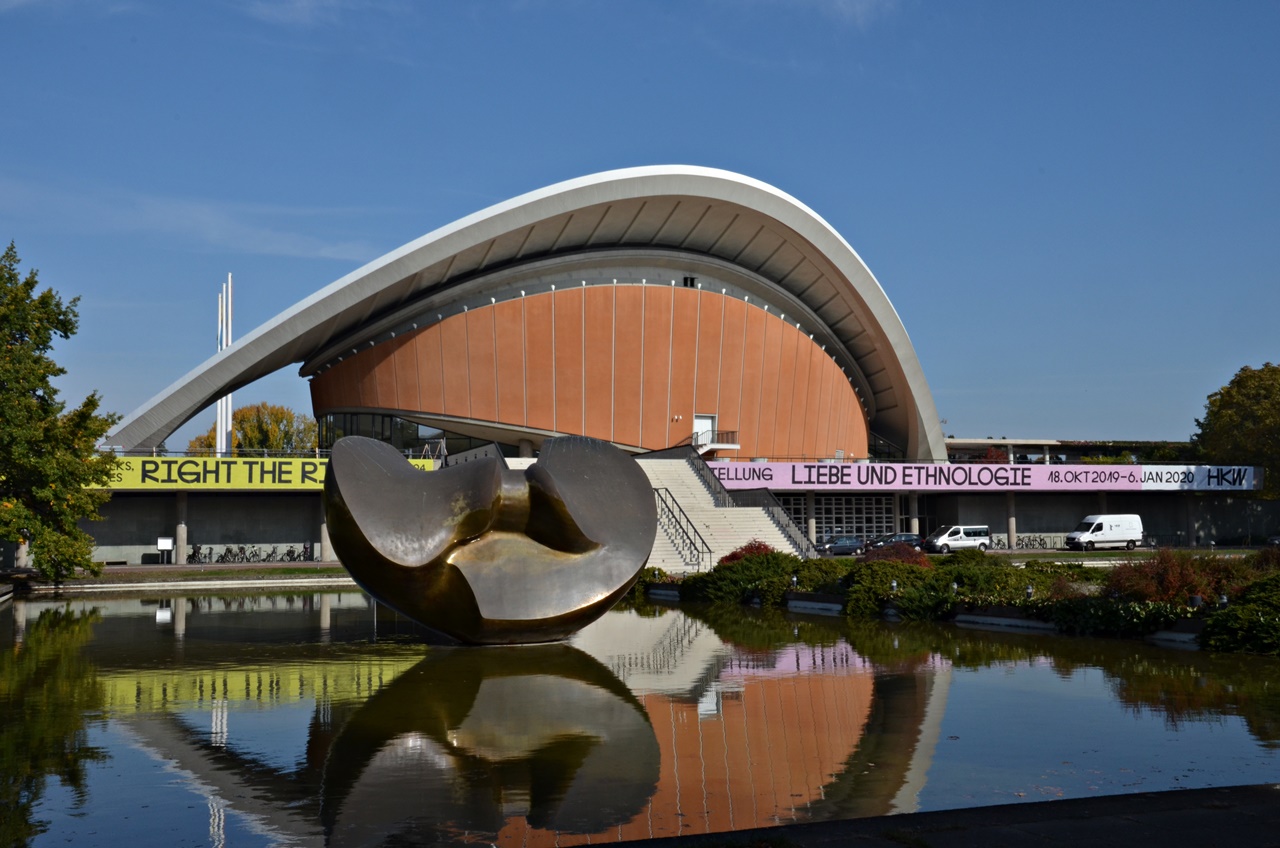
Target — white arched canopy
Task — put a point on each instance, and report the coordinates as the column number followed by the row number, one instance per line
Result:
column 716, row 216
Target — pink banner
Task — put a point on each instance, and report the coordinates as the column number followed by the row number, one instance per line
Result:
column 976, row 477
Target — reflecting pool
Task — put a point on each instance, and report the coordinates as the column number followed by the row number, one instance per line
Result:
column 318, row 719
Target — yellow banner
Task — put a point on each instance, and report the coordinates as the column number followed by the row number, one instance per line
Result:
column 212, row 473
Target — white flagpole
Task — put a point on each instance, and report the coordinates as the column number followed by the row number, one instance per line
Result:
column 223, row 424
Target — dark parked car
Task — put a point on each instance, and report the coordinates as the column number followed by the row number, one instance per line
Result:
column 912, row 539
column 838, row 546
column 1274, row 541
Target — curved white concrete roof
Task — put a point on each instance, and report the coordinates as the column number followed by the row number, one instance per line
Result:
column 718, row 216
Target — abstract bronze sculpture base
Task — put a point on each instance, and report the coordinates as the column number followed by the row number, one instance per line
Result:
column 485, row 554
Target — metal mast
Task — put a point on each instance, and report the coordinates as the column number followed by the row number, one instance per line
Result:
column 222, row 429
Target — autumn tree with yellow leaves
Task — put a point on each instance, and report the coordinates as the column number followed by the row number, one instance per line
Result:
column 264, row 427
column 50, row 463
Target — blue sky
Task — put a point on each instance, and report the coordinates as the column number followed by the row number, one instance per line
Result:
column 1074, row 206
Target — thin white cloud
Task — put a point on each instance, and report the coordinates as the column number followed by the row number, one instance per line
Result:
column 860, row 13
column 296, row 12
column 311, row 12
column 115, row 7
column 244, row 227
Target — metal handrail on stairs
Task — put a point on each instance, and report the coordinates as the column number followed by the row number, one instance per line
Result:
column 761, row 498
column 681, row 531
column 765, row 499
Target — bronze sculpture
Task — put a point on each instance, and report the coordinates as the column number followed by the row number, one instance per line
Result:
column 489, row 555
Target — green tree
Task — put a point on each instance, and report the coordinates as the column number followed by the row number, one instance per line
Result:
column 50, row 464
column 264, row 427
column 49, row 692
column 1241, row 424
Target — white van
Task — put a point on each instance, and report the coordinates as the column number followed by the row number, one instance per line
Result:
column 1097, row 531
column 956, row 537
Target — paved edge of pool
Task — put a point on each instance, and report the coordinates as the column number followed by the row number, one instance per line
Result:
column 1187, row 818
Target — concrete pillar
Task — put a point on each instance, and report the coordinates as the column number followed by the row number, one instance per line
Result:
column 326, row 616
column 19, row 621
column 913, row 506
column 323, row 553
column 811, row 513
column 180, row 533
column 526, row 448
column 22, row 555
column 326, row 552
column 1102, row 503
column 179, row 618
column 1012, row 517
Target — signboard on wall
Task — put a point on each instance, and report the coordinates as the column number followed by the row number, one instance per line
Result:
column 224, row 474
column 974, row 477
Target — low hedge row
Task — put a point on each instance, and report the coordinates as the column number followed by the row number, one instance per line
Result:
column 1129, row 600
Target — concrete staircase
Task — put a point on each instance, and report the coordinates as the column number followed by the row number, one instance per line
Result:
column 723, row 528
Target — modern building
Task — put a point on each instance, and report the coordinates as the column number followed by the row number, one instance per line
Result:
column 648, row 307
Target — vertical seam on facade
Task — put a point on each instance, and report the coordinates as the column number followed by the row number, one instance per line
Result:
column 524, row 362
column 440, row 359
column 697, row 348
column 764, row 347
column 466, row 347
column 643, row 304
column 417, row 370
column 671, row 355
column 497, row 368
column 742, row 363
column 720, row 360
column 795, row 372
column 554, row 400
column 583, row 338
column 613, row 364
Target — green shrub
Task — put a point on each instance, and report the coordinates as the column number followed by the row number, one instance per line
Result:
column 1251, row 623
column 1094, row 616
column 649, row 576
column 968, row 556
column 869, row 586
column 1073, row 572
column 762, row 577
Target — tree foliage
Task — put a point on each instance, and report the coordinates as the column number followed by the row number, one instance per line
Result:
column 49, row 459
column 263, row 427
column 49, row 692
column 1241, row 424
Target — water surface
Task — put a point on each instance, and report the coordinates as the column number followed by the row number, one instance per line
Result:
column 316, row 719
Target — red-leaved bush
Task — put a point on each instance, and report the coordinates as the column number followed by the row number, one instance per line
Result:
column 755, row 546
column 899, row 552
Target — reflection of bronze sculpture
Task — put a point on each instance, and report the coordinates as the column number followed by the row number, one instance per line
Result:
column 489, row 555
column 465, row 740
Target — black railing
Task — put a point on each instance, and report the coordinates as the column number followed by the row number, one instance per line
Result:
column 764, row 499
column 709, row 437
column 761, row 498
column 681, row 531
column 719, row 494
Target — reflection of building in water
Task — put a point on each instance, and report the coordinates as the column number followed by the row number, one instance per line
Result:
column 744, row 738
column 760, row 739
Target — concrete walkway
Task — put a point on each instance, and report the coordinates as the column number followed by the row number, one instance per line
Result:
column 1238, row 816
